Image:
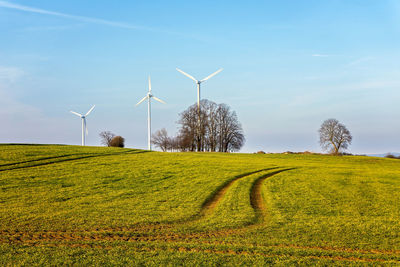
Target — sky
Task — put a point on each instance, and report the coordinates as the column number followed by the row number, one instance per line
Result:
column 288, row 66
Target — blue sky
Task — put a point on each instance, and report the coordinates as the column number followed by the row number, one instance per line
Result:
column 288, row 66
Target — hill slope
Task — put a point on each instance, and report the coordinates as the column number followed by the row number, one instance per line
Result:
column 88, row 205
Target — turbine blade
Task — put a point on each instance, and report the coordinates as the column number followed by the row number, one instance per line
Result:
column 159, row 100
column 208, row 77
column 149, row 84
column 143, row 99
column 90, row 110
column 187, row 75
column 76, row 113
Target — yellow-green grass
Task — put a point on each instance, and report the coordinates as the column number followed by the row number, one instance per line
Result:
column 108, row 206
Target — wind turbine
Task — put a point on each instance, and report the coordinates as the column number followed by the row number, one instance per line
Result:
column 83, row 117
column 198, row 82
column 148, row 97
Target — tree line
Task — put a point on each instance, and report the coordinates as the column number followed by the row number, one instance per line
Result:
column 214, row 128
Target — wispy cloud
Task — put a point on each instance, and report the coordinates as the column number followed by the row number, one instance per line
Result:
column 51, row 28
column 6, row 4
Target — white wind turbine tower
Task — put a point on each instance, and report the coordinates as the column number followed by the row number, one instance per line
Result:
column 148, row 97
column 83, row 117
column 198, row 82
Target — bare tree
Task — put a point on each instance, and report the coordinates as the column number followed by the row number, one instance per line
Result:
column 334, row 136
column 189, row 128
column 211, row 125
column 160, row 139
column 184, row 141
column 106, row 137
column 231, row 137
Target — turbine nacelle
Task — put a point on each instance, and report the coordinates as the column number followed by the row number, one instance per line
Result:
column 199, row 81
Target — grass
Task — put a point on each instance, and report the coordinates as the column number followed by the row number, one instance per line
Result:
column 112, row 206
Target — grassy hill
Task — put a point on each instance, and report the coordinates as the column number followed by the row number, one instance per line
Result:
column 110, row 206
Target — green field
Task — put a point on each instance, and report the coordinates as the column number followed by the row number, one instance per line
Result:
column 109, row 206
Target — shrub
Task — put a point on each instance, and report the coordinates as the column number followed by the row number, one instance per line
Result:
column 117, row 141
column 346, row 154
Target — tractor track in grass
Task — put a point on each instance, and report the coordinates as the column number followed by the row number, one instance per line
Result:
column 211, row 202
column 256, row 200
column 63, row 159
column 40, row 159
column 153, row 232
column 184, row 242
column 157, row 231
column 214, row 198
column 206, row 208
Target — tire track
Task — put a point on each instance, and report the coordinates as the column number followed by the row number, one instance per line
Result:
column 165, row 231
column 211, row 202
column 40, row 159
column 142, row 231
column 213, row 199
column 256, row 199
column 69, row 159
column 151, row 239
